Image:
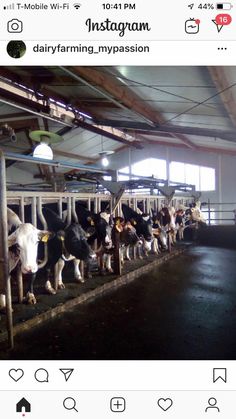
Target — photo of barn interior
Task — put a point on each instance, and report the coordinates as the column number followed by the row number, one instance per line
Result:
column 117, row 212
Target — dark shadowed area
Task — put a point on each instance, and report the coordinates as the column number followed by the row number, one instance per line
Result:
column 185, row 309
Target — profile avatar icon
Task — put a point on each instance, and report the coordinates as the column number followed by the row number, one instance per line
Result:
column 16, row 49
column 212, row 405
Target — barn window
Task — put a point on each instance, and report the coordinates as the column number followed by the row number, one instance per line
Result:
column 207, row 179
column 202, row 177
column 177, row 172
column 147, row 167
column 124, row 170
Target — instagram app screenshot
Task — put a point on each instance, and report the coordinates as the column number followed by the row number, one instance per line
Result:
column 117, row 209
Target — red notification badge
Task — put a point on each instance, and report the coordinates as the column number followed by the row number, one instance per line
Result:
column 223, row 19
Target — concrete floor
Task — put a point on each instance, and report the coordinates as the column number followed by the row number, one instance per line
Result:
column 185, row 309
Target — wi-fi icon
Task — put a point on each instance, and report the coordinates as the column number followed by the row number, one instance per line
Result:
column 77, row 6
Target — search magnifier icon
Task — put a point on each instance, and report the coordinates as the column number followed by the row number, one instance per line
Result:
column 70, row 404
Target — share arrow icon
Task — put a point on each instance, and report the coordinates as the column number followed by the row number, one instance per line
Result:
column 66, row 372
column 219, row 27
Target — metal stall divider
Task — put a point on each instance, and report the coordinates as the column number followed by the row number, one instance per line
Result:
column 5, row 281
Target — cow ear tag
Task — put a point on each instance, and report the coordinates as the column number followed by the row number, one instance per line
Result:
column 45, row 238
column 89, row 219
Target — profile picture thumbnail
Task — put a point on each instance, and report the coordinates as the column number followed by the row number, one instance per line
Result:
column 16, row 49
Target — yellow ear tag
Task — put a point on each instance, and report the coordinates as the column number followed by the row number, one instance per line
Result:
column 45, row 238
column 90, row 220
column 134, row 222
column 62, row 238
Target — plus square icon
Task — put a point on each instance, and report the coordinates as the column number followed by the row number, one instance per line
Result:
column 117, row 404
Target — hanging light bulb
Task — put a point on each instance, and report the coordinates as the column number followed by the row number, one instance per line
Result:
column 43, row 151
column 105, row 161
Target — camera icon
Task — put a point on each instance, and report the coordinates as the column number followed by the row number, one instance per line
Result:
column 15, row 26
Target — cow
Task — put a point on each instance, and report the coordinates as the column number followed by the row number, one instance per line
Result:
column 166, row 217
column 98, row 226
column 127, row 237
column 159, row 233
column 69, row 243
column 23, row 243
column 180, row 223
column 142, row 224
column 194, row 215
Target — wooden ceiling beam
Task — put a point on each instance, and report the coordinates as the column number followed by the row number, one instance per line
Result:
column 125, row 96
column 118, row 92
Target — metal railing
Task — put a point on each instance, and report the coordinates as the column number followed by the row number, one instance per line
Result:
column 215, row 212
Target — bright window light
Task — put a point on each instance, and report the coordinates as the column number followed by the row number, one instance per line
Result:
column 177, row 172
column 192, row 175
column 207, row 179
column 202, row 177
column 148, row 167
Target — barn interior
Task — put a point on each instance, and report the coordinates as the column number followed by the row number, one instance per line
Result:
column 144, row 132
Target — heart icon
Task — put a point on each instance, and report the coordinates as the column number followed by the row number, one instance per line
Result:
column 16, row 375
column 165, row 404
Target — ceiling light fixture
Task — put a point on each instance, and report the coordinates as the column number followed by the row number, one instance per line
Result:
column 43, row 149
column 104, row 154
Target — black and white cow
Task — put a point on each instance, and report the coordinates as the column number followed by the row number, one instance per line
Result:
column 127, row 237
column 180, row 223
column 69, row 243
column 142, row 224
column 23, row 243
column 99, row 228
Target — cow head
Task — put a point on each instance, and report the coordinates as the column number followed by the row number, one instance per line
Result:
column 26, row 238
column 75, row 243
column 103, row 229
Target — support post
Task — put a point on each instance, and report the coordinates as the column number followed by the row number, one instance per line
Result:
column 209, row 212
column 20, row 284
column 5, row 282
column 117, row 258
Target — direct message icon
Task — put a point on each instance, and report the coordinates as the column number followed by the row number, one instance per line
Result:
column 165, row 404
column 219, row 374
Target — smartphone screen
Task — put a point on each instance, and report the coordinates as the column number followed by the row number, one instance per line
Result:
column 117, row 209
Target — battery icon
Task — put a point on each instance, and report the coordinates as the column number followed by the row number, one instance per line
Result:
column 224, row 6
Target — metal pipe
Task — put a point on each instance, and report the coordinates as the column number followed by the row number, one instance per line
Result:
column 5, row 281
column 39, row 114
column 33, row 211
column 22, row 209
column 20, row 284
column 31, row 159
column 73, row 211
column 45, row 226
column 68, row 211
column 60, row 207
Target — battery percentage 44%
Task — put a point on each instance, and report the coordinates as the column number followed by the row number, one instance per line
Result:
column 203, row 6
column 206, row 6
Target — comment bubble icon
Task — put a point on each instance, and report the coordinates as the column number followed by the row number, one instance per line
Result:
column 41, row 375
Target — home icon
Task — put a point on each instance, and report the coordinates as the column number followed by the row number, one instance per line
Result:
column 23, row 406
